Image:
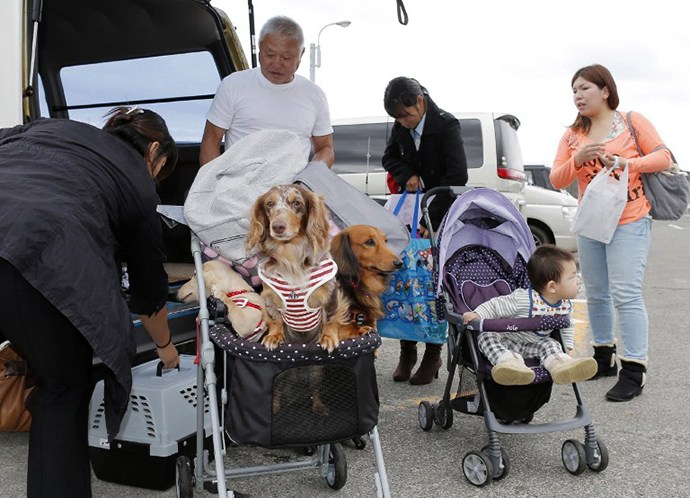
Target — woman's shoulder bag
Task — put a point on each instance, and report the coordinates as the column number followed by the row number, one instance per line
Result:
column 667, row 191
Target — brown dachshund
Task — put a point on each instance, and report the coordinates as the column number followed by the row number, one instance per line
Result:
column 365, row 264
column 289, row 233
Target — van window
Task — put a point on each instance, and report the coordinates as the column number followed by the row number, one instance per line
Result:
column 508, row 147
column 150, row 78
column 471, row 131
column 352, row 144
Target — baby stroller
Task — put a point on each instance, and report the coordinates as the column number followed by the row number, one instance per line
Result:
column 481, row 252
column 345, row 379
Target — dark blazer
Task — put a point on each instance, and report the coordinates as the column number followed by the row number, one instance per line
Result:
column 440, row 160
column 75, row 201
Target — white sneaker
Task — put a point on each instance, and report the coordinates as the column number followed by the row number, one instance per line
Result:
column 512, row 371
column 566, row 370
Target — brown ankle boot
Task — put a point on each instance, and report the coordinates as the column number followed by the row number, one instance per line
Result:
column 428, row 369
column 408, row 358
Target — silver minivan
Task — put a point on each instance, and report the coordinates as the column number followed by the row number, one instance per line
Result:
column 492, row 147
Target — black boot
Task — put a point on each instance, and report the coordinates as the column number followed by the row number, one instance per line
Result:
column 408, row 358
column 631, row 380
column 606, row 361
column 428, row 369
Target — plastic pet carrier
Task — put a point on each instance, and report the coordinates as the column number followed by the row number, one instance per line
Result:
column 159, row 425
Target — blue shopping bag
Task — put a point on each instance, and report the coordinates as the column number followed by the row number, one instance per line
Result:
column 409, row 300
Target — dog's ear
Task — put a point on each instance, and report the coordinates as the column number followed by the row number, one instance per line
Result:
column 317, row 221
column 345, row 257
column 258, row 226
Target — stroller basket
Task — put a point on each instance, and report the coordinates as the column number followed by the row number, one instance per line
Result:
column 300, row 395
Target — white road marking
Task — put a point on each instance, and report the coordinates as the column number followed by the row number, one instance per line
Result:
column 675, row 226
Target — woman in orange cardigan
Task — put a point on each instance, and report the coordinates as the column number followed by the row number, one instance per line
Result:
column 612, row 272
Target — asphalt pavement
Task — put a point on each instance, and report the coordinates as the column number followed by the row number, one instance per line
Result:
column 647, row 438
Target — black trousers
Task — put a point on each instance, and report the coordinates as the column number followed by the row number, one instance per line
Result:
column 61, row 360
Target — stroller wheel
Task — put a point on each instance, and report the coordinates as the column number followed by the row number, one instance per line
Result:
column 360, row 443
column 505, row 463
column 574, row 457
column 477, row 468
column 443, row 415
column 601, row 458
column 337, row 467
column 184, row 479
column 425, row 412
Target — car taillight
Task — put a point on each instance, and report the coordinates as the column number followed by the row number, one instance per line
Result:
column 511, row 174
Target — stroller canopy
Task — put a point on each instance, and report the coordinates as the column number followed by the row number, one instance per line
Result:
column 487, row 218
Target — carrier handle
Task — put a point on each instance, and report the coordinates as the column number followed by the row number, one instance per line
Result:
column 159, row 369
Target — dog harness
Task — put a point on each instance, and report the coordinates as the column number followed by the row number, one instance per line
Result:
column 296, row 312
column 243, row 302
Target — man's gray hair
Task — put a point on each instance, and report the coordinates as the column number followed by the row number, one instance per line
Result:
column 282, row 26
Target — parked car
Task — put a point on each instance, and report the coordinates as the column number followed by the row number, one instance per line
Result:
column 91, row 56
column 492, row 147
column 549, row 214
column 538, row 174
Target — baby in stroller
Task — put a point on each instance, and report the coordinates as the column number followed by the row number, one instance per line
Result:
column 554, row 282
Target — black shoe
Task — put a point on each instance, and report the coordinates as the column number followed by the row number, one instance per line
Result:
column 630, row 383
column 606, row 361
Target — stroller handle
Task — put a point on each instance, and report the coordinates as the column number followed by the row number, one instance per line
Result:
column 453, row 191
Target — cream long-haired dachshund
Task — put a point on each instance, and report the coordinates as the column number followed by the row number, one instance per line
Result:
column 289, row 233
column 245, row 307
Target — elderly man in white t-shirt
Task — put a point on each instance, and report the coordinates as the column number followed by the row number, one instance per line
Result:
column 271, row 97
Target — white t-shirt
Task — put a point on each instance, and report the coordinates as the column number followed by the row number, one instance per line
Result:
column 247, row 102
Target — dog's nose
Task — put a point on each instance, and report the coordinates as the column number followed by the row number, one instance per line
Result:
column 398, row 263
column 278, row 227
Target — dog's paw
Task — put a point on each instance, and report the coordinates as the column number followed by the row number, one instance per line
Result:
column 329, row 343
column 272, row 341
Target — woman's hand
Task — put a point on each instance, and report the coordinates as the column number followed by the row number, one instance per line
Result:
column 470, row 316
column 588, row 153
column 157, row 327
column 413, row 184
column 169, row 356
column 609, row 161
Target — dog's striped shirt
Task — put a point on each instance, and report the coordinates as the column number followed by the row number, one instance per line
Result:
column 296, row 312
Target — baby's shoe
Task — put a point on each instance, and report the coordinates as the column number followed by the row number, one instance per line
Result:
column 512, row 371
column 566, row 370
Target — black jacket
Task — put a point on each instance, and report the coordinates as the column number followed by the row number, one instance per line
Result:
column 74, row 201
column 440, row 160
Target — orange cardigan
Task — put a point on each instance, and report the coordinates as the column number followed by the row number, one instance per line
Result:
column 563, row 172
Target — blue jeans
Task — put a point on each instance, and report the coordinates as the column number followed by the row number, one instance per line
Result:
column 612, row 274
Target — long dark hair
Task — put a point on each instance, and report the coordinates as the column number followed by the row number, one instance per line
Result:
column 402, row 92
column 139, row 128
column 601, row 77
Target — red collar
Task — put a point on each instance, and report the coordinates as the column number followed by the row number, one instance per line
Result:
column 236, row 293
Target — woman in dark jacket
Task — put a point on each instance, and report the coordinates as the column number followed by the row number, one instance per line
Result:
column 75, row 201
column 424, row 151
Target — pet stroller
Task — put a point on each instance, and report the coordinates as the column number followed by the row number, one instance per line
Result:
column 481, row 252
column 270, row 403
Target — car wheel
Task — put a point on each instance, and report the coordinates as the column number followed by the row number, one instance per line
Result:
column 540, row 235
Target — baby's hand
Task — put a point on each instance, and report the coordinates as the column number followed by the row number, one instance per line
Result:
column 470, row 316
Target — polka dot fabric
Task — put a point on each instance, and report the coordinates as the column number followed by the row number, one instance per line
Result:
column 226, row 339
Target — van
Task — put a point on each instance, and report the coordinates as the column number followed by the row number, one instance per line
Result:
column 79, row 58
column 492, row 147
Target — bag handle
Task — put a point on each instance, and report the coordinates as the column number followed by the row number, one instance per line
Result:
column 399, row 206
column 637, row 144
column 415, row 216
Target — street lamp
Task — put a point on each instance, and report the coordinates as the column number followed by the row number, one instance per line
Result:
column 315, row 50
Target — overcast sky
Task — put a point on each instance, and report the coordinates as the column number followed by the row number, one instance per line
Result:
column 500, row 55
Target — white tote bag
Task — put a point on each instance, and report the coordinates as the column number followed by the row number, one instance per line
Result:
column 601, row 206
